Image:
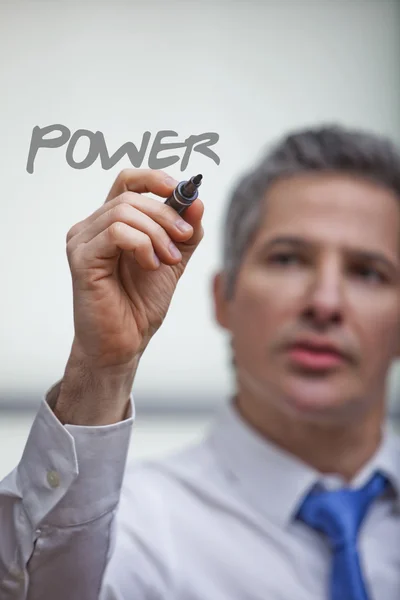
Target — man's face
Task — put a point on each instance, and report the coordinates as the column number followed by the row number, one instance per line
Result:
column 324, row 269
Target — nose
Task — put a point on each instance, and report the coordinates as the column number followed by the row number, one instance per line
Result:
column 325, row 293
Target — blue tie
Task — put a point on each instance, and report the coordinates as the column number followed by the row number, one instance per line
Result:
column 339, row 514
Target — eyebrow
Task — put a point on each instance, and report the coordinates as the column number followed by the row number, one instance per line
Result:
column 302, row 243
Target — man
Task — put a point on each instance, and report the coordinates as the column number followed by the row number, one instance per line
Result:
column 294, row 493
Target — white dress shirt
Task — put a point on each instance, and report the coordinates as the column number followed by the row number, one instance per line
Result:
column 57, row 508
column 212, row 522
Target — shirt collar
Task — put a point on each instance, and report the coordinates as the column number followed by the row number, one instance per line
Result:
column 386, row 460
column 275, row 481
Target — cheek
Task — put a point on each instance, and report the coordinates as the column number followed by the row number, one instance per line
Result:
column 381, row 340
column 265, row 303
column 378, row 331
column 258, row 318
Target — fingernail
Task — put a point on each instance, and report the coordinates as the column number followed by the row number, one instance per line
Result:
column 156, row 259
column 183, row 226
column 174, row 251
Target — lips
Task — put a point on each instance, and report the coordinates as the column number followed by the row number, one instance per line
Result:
column 315, row 356
column 322, row 348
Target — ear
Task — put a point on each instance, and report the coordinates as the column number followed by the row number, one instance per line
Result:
column 221, row 305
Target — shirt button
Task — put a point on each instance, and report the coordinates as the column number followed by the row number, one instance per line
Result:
column 53, row 479
column 18, row 575
column 21, row 576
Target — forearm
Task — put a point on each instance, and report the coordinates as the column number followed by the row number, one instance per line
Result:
column 93, row 396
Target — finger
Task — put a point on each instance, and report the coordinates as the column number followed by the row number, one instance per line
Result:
column 110, row 242
column 160, row 187
column 142, row 181
column 131, row 216
column 118, row 209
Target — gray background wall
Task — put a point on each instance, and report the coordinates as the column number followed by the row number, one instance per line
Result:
column 246, row 70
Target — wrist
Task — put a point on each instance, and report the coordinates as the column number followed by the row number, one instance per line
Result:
column 93, row 396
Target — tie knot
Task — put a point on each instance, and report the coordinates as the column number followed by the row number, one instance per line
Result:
column 339, row 513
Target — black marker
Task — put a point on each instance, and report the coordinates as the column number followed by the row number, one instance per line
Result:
column 184, row 194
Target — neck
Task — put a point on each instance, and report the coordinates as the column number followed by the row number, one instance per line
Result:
column 330, row 448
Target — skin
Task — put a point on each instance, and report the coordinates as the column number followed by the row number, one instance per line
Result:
column 124, row 276
column 323, row 286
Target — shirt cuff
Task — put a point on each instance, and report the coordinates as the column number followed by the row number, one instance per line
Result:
column 71, row 474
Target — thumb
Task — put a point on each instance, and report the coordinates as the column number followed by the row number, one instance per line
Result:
column 193, row 215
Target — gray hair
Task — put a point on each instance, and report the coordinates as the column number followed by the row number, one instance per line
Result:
column 328, row 149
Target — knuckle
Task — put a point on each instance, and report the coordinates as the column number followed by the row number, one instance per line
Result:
column 161, row 174
column 144, row 244
column 114, row 230
column 121, row 211
column 124, row 175
column 125, row 198
column 72, row 232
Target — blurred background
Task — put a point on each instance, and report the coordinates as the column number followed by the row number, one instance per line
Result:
column 248, row 71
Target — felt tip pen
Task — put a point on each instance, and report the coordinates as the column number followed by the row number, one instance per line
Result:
column 184, row 194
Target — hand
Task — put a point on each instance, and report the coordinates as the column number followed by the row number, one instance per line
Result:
column 121, row 296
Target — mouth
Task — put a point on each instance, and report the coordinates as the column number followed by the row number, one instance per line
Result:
column 315, row 359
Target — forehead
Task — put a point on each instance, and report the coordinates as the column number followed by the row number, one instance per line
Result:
column 333, row 209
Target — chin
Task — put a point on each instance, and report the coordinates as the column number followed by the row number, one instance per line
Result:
column 317, row 400
column 312, row 411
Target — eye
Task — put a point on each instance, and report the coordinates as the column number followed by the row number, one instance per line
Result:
column 370, row 274
column 284, row 258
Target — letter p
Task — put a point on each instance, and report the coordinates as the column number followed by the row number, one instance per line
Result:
column 38, row 141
